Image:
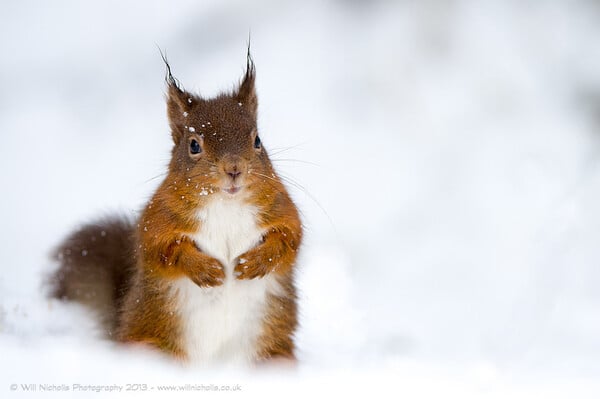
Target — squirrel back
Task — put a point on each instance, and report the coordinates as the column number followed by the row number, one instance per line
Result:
column 207, row 272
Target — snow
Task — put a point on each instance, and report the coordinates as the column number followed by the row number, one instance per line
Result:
column 444, row 155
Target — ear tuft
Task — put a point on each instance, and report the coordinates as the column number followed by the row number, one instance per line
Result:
column 171, row 81
column 247, row 92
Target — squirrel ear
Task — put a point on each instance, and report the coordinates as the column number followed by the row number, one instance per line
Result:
column 247, row 93
column 179, row 103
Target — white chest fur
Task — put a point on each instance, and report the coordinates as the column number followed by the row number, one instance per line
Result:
column 222, row 324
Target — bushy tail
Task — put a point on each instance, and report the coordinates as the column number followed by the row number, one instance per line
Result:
column 97, row 263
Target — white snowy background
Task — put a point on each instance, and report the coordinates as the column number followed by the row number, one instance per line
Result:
column 449, row 156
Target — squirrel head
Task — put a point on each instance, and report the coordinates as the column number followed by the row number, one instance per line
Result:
column 217, row 147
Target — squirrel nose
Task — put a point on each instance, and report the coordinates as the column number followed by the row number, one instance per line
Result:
column 234, row 173
column 233, row 167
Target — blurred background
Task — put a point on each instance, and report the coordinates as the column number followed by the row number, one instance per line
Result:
column 445, row 156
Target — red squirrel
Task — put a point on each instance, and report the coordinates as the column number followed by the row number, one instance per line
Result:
column 206, row 273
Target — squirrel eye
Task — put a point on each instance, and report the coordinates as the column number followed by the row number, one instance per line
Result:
column 195, row 147
column 257, row 142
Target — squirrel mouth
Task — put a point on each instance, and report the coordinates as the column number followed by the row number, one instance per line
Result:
column 232, row 190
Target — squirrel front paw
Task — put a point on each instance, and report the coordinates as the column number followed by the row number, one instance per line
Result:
column 253, row 265
column 212, row 274
column 202, row 269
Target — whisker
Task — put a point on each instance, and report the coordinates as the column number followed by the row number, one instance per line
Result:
column 280, row 150
column 297, row 185
column 212, row 169
column 201, row 174
column 312, row 197
column 262, row 175
column 156, row 177
column 295, row 160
